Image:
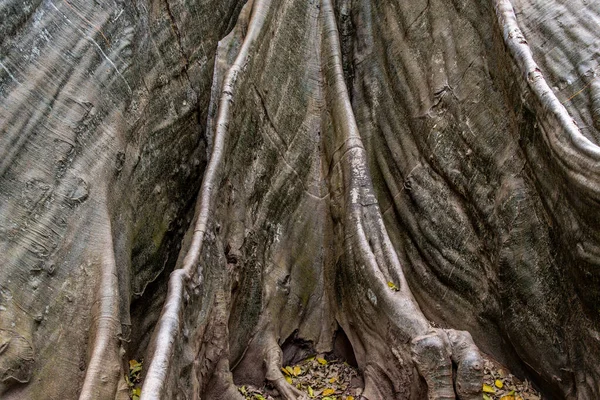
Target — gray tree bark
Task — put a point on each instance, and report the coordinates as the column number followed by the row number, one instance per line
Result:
column 197, row 183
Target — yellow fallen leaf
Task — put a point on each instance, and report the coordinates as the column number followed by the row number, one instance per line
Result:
column 486, row 397
column 322, row 361
column 311, row 392
column 290, row 370
column 297, row 370
column 508, row 397
column 488, row 389
column 393, row 286
column 327, row 392
column 499, row 384
column 136, row 392
column 288, row 380
column 285, row 371
column 350, row 398
column 333, row 379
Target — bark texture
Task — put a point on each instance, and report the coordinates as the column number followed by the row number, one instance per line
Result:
column 209, row 184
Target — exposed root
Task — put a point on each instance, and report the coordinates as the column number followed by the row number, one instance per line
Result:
column 104, row 371
column 431, row 354
column 170, row 322
column 469, row 370
column 273, row 364
column 564, row 138
column 380, row 298
column 434, row 355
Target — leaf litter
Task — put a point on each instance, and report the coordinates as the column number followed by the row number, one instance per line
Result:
column 317, row 377
column 133, row 379
column 500, row 384
column 336, row 380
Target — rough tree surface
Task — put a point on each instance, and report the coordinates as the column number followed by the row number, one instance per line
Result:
column 220, row 186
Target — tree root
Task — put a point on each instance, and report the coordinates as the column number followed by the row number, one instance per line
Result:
column 273, row 364
column 170, row 322
column 104, row 371
column 372, row 270
column 393, row 341
column 435, row 353
column 87, row 121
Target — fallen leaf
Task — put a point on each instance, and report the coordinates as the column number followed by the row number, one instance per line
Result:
column 290, row 370
column 499, row 384
column 508, row 397
column 486, row 397
column 333, row 379
column 328, row 391
column 393, row 286
column 297, row 370
column 349, row 398
column 488, row 389
column 322, row 361
column 288, row 379
column 259, row 397
column 311, row 392
column 243, row 390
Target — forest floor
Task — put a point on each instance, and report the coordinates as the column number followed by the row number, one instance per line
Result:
column 323, row 378
column 337, row 380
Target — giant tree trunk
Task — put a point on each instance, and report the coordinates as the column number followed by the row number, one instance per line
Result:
column 198, row 182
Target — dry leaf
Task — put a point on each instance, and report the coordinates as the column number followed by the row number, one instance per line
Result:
column 488, row 389
column 288, row 380
column 393, row 286
column 297, row 370
column 322, row 361
column 498, row 383
column 327, row 392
